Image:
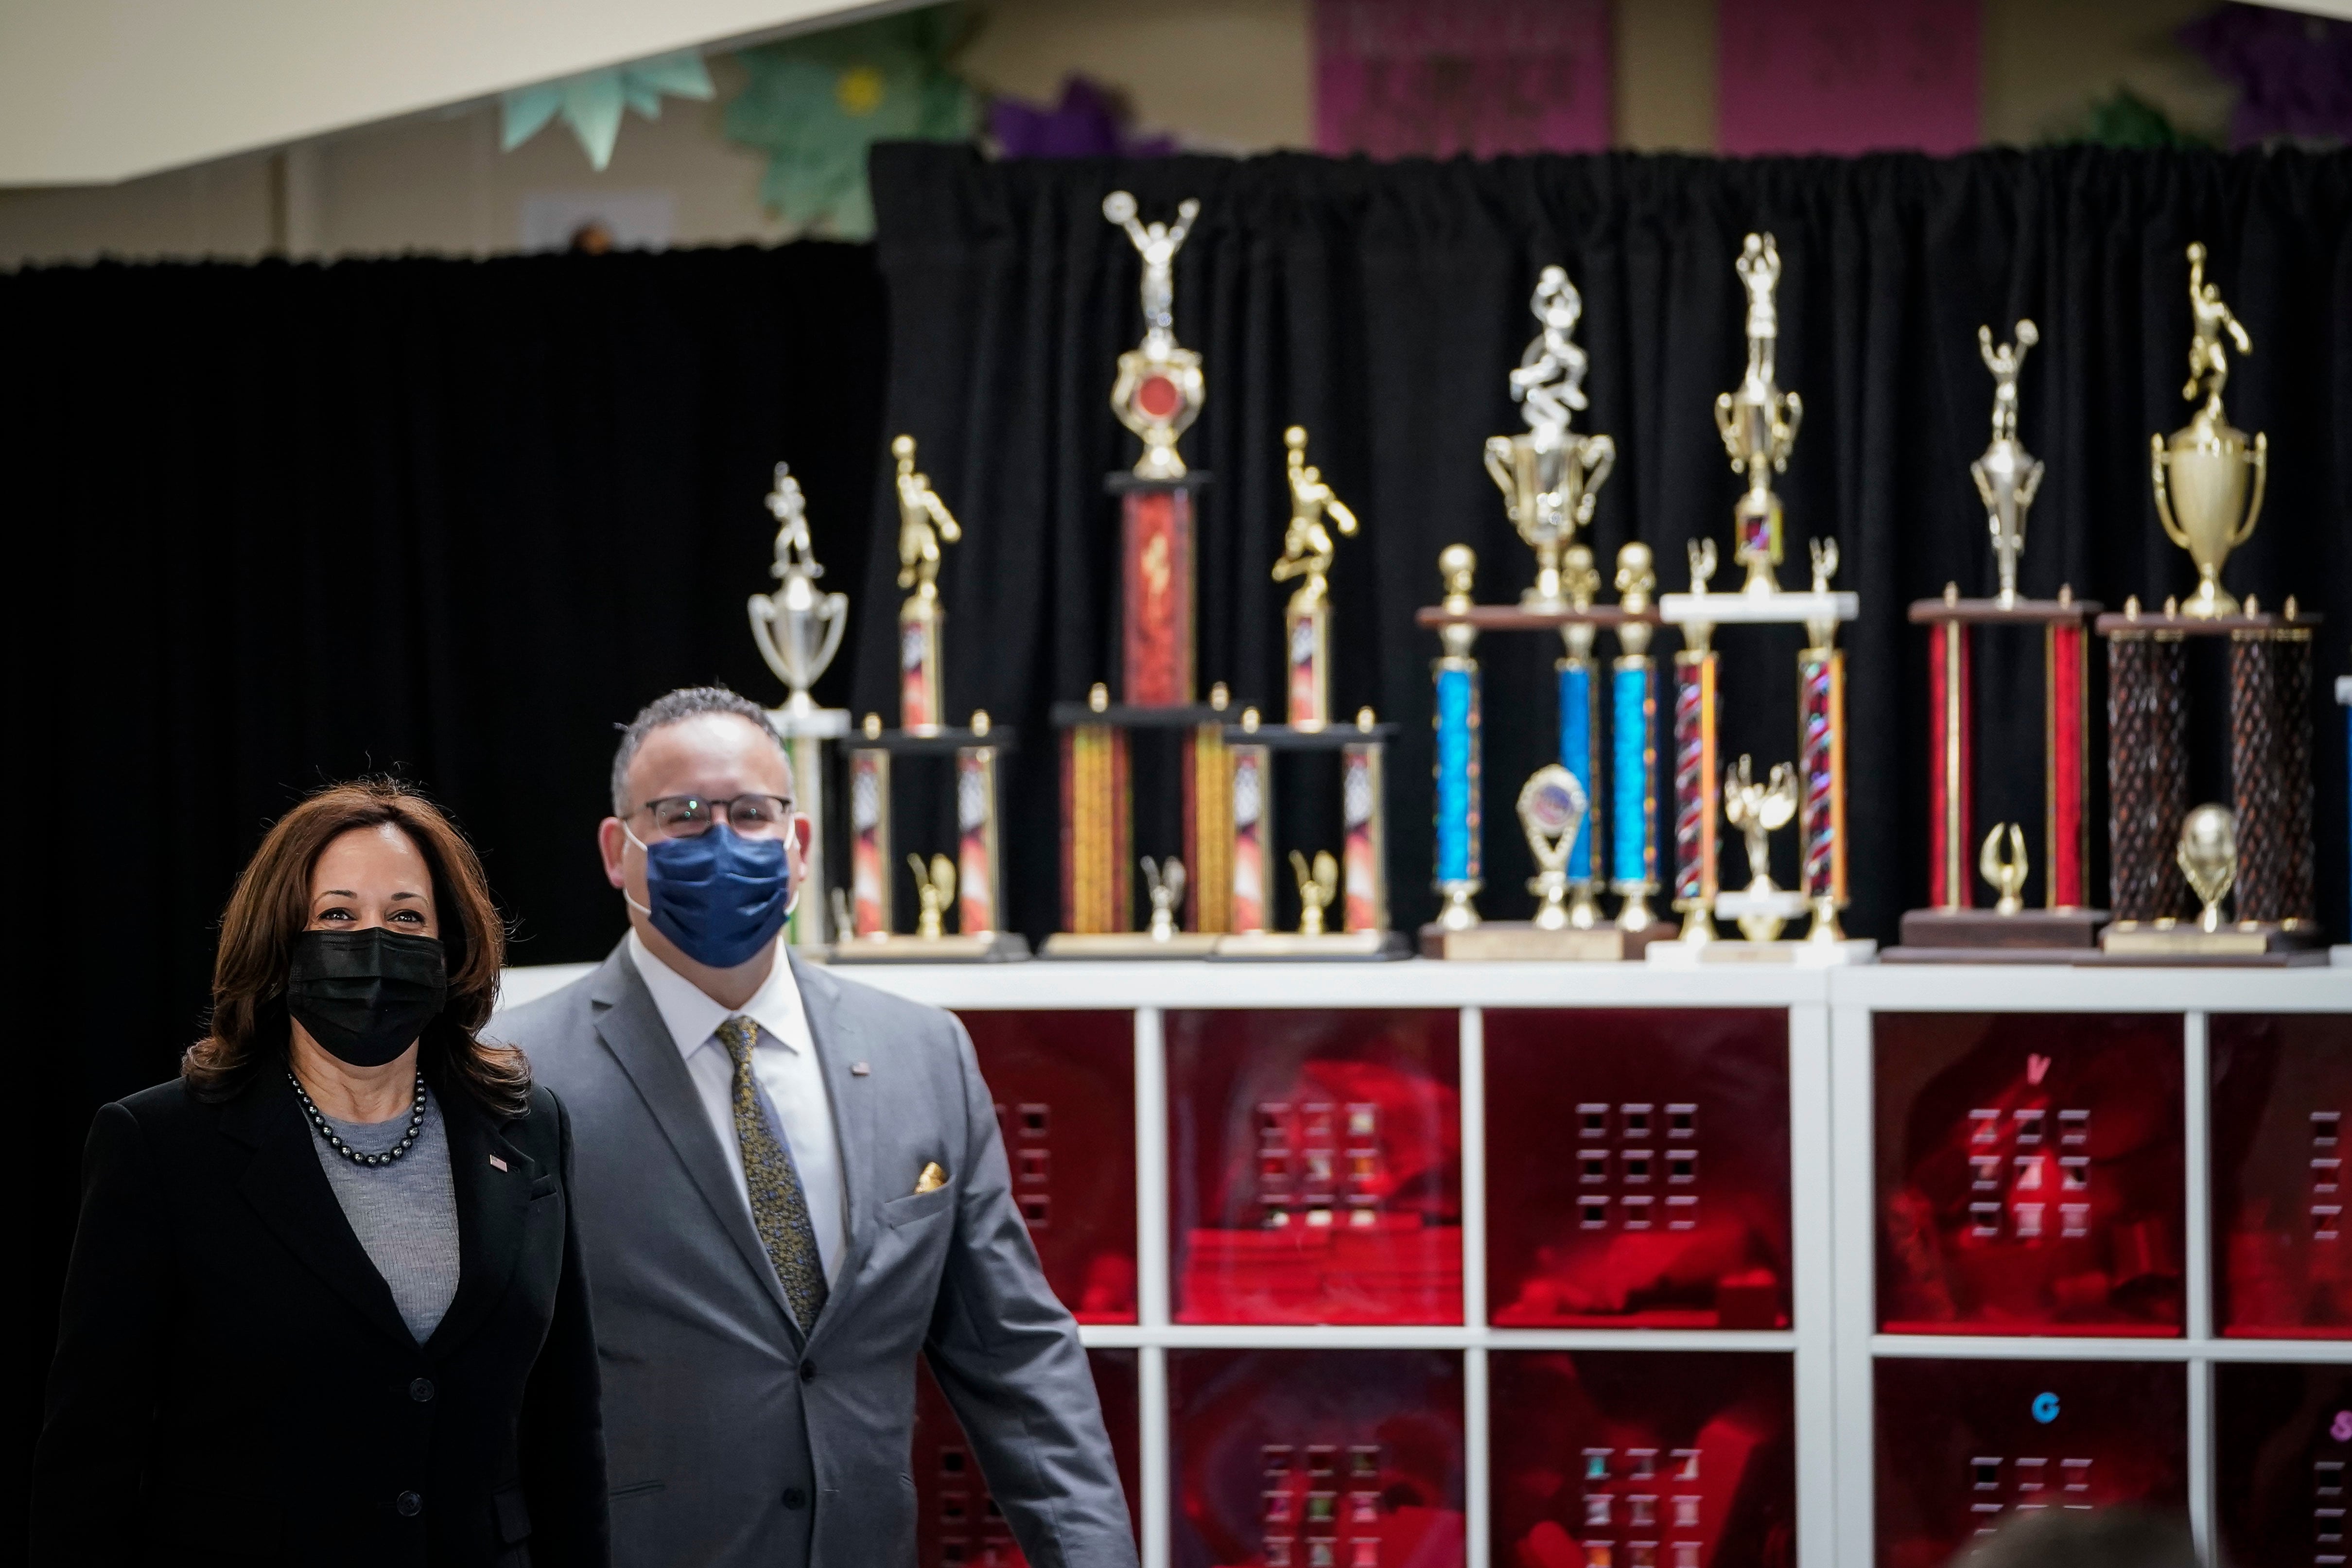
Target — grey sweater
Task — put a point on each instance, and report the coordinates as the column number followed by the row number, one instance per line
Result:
column 404, row 1214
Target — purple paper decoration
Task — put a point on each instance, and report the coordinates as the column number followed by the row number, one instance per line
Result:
column 1847, row 76
column 1089, row 122
column 2293, row 73
column 1402, row 78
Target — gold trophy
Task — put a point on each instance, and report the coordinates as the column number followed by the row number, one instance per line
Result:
column 1550, row 477
column 1756, row 811
column 2002, row 863
column 1318, row 884
column 1159, row 387
column 2200, row 475
column 2207, row 855
column 1307, row 552
column 923, row 520
column 1758, row 423
column 973, row 884
column 935, row 890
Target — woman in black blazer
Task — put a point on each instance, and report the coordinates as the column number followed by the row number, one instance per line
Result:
column 325, row 1303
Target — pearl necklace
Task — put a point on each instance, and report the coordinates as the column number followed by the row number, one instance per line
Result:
column 334, row 1140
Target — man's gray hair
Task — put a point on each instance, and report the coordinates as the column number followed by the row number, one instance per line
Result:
column 687, row 703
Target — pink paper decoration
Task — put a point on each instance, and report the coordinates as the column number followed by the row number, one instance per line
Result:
column 1400, row 78
column 1847, row 76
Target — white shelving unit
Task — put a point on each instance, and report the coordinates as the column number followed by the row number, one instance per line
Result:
column 1834, row 1343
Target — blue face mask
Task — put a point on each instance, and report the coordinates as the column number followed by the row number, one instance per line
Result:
column 720, row 896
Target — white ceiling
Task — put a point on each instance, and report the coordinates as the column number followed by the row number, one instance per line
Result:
column 93, row 91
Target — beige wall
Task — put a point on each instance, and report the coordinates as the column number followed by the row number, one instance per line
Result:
column 1234, row 75
column 2044, row 59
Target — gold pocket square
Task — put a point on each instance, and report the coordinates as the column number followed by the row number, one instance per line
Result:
column 931, row 1180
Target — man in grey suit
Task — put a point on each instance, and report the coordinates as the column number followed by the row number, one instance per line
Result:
column 788, row 1185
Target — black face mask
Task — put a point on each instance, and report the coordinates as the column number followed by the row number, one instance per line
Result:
column 364, row 995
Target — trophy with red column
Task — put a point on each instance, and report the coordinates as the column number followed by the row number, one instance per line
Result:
column 1157, row 394
column 798, row 630
column 971, row 883
column 1954, row 929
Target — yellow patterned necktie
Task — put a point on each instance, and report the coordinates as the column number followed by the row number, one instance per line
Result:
column 779, row 1207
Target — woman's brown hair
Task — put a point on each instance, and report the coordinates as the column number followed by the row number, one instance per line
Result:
column 271, row 906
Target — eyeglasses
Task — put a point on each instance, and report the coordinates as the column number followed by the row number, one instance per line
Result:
column 690, row 815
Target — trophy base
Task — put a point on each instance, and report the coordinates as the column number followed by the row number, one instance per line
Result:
column 1280, row 946
column 985, row 947
column 1799, row 955
column 1987, row 936
column 1087, row 945
column 1522, row 941
column 2248, row 944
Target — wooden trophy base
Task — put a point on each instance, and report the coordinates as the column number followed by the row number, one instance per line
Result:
column 1289, row 946
column 984, row 947
column 1097, row 945
column 1987, row 936
column 1523, row 941
column 2248, row 944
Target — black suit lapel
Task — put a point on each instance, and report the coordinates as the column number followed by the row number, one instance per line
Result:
column 287, row 1188
column 852, row 1094
column 491, row 1206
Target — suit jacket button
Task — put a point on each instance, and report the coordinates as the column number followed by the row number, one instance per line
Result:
column 808, row 1371
column 794, row 1498
column 409, row 1505
column 421, row 1391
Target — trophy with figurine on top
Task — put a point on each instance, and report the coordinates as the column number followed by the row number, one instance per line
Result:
column 798, row 630
column 1357, row 880
column 1590, row 818
column 1157, row 393
column 1758, row 423
column 970, row 884
column 1955, row 929
column 2209, row 478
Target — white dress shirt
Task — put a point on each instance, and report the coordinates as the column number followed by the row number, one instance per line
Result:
column 784, row 1061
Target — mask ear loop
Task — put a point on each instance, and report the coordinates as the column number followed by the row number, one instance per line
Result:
column 790, row 904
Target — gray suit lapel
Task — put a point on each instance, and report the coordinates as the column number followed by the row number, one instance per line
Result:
column 631, row 1027
column 838, row 1048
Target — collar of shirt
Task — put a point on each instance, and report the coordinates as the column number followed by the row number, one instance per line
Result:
column 693, row 1018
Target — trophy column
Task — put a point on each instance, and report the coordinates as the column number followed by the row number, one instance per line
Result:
column 1580, row 700
column 1950, row 780
column 870, row 870
column 2066, row 752
column 979, row 855
column 1632, row 732
column 1456, row 676
column 1095, row 892
column 1697, row 798
column 1252, row 861
column 1363, row 795
column 2147, row 769
column 1821, row 762
column 2270, row 772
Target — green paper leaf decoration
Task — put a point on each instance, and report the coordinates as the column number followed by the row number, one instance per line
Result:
column 591, row 102
column 815, row 105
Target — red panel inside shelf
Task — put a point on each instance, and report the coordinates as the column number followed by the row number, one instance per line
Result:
column 1317, row 1459
column 1637, row 1169
column 1965, row 1444
column 2281, row 1103
column 1064, row 1084
column 1314, row 1166
column 2282, row 1446
column 1644, row 1459
column 2030, row 1174
column 957, row 1524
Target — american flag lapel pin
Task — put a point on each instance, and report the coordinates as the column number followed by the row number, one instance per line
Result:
column 496, row 1163
column 861, row 1070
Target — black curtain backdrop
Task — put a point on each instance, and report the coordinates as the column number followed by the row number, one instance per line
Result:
column 273, row 525
column 1381, row 305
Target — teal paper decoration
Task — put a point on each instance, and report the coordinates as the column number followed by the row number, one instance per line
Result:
column 591, row 103
column 815, row 104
